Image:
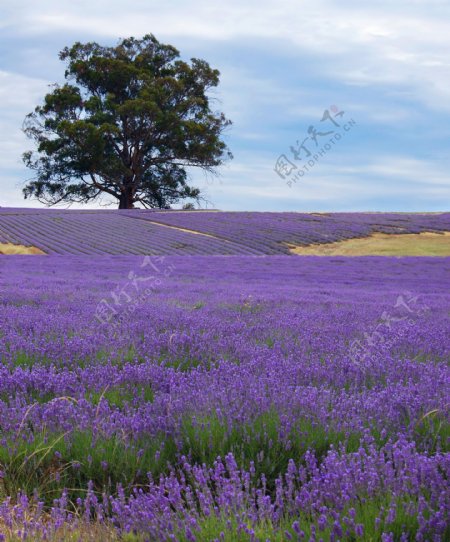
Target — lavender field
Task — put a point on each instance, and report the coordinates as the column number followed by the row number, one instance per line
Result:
column 235, row 398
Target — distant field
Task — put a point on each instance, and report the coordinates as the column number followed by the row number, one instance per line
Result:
column 152, row 232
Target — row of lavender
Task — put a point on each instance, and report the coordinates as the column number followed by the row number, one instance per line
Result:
column 173, row 232
column 105, row 232
column 271, row 399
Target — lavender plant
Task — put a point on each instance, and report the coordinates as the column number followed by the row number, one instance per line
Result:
column 227, row 406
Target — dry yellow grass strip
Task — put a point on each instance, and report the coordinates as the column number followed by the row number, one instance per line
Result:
column 383, row 244
column 11, row 250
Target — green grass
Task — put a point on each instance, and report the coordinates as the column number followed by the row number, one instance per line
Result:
column 432, row 432
column 120, row 396
column 129, row 354
column 51, row 462
column 259, row 441
column 229, row 529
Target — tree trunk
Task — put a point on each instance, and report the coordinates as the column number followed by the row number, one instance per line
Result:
column 126, row 199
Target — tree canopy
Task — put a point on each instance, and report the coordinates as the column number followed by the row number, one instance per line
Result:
column 129, row 122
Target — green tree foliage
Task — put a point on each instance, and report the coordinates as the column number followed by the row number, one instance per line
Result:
column 129, row 122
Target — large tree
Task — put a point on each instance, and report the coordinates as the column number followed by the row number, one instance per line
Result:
column 130, row 122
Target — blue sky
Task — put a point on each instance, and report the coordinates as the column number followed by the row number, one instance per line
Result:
column 282, row 63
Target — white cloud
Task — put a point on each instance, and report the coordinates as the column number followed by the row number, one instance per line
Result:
column 394, row 43
column 19, row 92
column 333, row 185
column 412, row 170
column 18, row 97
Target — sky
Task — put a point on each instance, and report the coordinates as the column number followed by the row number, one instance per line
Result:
column 377, row 73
